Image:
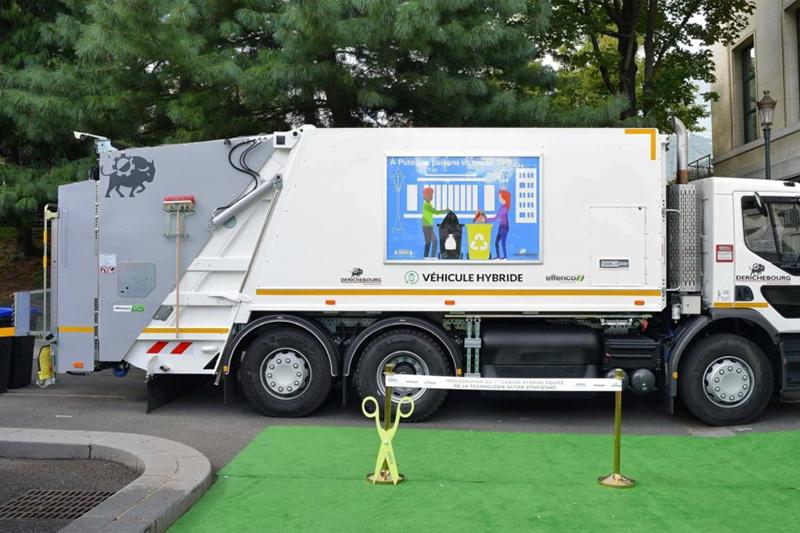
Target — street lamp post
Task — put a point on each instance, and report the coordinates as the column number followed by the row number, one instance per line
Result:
column 766, row 111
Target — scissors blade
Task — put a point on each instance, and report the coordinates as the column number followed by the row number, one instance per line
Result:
column 393, row 466
column 379, row 463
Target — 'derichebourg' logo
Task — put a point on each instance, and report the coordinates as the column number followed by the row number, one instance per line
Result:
column 757, row 274
column 356, row 277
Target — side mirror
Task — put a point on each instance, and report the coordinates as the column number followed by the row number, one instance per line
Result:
column 762, row 208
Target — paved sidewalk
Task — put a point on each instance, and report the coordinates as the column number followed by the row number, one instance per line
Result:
column 171, row 476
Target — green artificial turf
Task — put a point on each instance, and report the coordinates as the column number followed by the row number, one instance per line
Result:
column 312, row 479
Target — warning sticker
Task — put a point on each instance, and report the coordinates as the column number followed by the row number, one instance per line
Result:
column 108, row 263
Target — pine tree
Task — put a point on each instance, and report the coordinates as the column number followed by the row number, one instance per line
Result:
column 26, row 180
column 377, row 62
column 141, row 72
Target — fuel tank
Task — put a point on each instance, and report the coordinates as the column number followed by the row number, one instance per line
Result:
column 539, row 350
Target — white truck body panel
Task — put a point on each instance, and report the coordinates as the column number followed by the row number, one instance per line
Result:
column 602, row 197
column 601, row 193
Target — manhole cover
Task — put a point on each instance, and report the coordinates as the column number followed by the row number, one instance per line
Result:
column 52, row 504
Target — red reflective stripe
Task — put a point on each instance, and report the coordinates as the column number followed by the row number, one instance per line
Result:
column 181, row 347
column 157, row 347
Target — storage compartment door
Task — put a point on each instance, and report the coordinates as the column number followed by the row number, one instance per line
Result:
column 75, row 268
column 617, row 246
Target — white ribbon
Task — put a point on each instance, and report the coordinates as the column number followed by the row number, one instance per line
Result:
column 504, row 384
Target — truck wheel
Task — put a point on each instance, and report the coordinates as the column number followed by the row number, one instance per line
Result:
column 411, row 352
column 285, row 373
column 725, row 380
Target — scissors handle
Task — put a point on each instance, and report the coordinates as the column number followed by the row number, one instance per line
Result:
column 374, row 412
column 405, row 400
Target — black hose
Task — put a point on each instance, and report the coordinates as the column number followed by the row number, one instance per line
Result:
column 243, row 167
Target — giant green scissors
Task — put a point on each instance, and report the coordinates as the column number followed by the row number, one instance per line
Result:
column 386, row 465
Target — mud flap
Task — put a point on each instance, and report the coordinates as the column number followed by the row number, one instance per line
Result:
column 229, row 387
column 345, row 384
column 667, row 400
column 165, row 388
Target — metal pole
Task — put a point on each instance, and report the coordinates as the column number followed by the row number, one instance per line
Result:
column 387, row 405
column 615, row 479
column 767, row 165
column 177, row 273
column 617, row 424
column 44, row 276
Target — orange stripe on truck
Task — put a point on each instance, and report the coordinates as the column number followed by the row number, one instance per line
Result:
column 75, row 329
column 739, row 305
column 645, row 131
column 458, row 292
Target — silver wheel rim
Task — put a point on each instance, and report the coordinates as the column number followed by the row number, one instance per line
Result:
column 404, row 362
column 728, row 381
column 285, row 373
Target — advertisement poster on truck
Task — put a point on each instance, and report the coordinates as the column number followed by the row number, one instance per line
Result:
column 463, row 208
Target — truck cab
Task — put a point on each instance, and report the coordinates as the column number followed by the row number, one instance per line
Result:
column 737, row 330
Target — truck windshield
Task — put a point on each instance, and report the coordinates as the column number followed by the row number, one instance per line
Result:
column 772, row 231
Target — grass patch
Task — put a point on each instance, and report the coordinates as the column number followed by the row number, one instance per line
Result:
column 312, row 479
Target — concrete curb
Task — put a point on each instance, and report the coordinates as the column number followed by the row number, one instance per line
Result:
column 173, row 476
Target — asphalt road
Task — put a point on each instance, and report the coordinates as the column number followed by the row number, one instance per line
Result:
column 199, row 419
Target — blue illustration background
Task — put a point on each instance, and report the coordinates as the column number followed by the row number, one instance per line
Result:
column 463, row 184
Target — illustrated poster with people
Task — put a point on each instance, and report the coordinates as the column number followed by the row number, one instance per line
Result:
column 463, row 209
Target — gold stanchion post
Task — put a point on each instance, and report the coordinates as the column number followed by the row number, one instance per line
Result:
column 616, row 479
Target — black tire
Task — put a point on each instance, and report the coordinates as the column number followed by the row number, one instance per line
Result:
column 282, row 344
column 707, row 358
column 411, row 341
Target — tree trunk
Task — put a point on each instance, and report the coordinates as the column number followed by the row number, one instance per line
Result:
column 627, row 45
column 25, row 245
column 649, row 58
column 339, row 98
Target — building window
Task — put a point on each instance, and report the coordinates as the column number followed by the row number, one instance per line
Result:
column 797, row 38
column 748, row 59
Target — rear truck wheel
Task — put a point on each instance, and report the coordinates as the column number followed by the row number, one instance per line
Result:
column 411, row 352
column 725, row 380
column 285, row 373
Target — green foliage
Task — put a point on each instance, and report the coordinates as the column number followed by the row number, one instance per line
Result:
column 647, row 52
column 392, row 62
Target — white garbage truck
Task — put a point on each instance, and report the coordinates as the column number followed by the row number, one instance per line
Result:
column 282, row 264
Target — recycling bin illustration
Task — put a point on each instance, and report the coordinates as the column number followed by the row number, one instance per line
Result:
column 479, row 237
